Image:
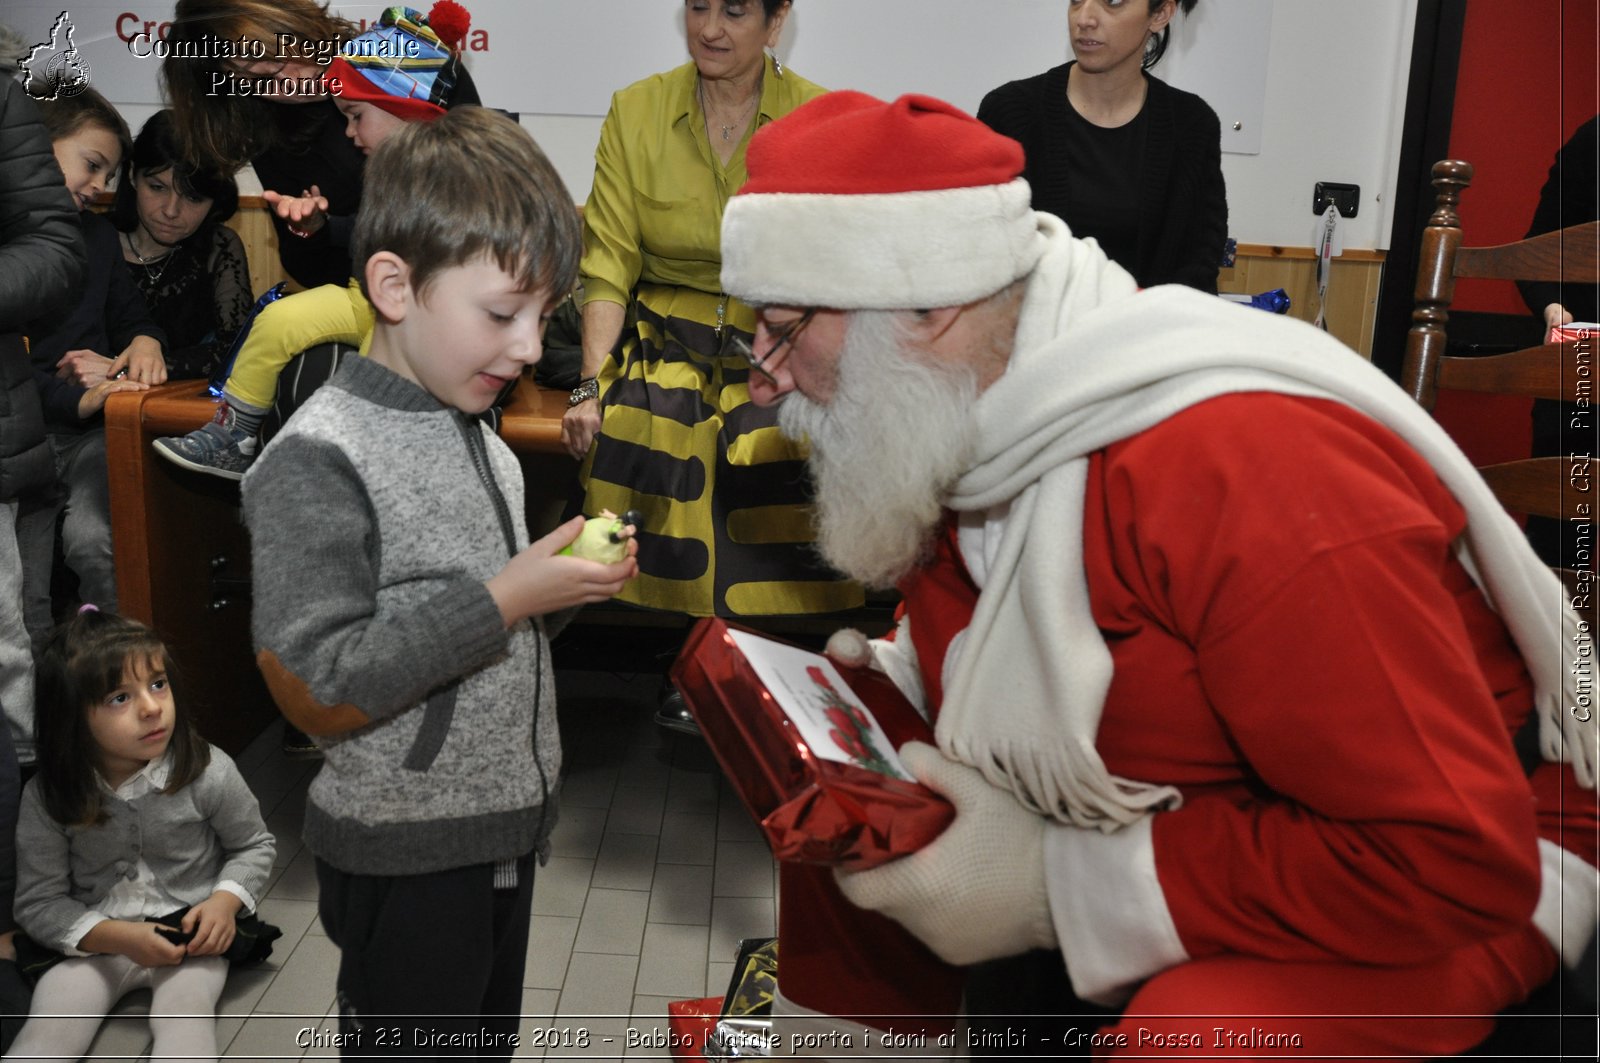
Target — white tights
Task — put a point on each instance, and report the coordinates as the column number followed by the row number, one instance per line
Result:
column 76, row 995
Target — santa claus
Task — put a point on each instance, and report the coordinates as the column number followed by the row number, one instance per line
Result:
column 1224, row 642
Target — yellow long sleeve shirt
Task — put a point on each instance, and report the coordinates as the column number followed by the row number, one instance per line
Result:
column 655, row 211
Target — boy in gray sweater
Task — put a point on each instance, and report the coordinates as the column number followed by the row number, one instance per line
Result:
column 398, row 605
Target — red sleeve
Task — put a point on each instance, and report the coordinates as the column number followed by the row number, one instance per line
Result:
column 1568, row 813
column 1388, row 820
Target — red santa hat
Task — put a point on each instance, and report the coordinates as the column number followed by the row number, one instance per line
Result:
column 853, row 203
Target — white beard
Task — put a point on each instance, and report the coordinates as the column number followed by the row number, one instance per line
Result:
column 884, row 450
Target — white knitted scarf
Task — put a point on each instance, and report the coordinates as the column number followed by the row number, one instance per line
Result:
column 1095, row 361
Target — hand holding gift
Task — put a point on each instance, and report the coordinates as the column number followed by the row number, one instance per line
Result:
column 976, row 892
column 811, row 755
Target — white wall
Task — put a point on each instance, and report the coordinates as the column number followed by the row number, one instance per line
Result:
column 1334, row 76
column 1336, row 88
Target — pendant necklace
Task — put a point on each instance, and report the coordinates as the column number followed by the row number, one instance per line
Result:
column 727, row 135
column 152, row 274
column 739, row 123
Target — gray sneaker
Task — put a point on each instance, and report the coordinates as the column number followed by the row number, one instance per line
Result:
column 210, row 449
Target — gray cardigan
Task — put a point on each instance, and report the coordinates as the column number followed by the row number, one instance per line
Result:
column 375, row 517
column 207, row 833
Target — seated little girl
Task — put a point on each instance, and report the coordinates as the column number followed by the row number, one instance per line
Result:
column 139, row 848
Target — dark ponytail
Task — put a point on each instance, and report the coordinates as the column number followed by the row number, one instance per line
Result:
column 1156, row 47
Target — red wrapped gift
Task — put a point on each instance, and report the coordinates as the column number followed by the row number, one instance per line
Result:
column 1576, row 331
column 688, row 1022
column 809, row 747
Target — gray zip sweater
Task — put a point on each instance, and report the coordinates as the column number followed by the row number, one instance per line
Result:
column 375, row 517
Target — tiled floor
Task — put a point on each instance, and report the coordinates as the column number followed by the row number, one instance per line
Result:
column 657, row 873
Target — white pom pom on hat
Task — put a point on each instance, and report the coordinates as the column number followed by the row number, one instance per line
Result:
column 849, row 646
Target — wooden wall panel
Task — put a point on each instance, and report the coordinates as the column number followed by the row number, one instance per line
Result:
column 260, row 244
column 1352, row 287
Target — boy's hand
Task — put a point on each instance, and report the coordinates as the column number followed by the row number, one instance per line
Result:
column 140, row 942
column 140, row 361
column 307, row 212
column 537, row 581
column 93, row 400
column 84, row 367
column 211, row 923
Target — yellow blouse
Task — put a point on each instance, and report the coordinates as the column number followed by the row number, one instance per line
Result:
column 655, row 212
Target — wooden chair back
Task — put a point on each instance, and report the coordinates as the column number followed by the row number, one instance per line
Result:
column 1560, row 487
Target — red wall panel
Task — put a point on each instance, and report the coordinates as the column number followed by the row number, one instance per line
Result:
column 1527, row 81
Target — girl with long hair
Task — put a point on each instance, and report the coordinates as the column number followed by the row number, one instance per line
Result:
column 138, row 846
column 248, row 84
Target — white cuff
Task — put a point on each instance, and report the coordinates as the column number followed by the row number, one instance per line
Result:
column 952, row 654
column 1569, row 891
column 879, row 250
column 1111, row 917
column 230, row 886
column 897, row 659
column 86, row 922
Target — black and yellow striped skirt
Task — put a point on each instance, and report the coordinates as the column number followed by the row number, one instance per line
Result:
column 725, row 498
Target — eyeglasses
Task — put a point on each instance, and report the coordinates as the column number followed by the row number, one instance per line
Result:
column 784, row 334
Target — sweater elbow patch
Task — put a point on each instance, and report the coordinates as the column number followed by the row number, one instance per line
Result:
column 296, row 702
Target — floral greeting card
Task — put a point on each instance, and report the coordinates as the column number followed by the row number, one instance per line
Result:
column 832, row 720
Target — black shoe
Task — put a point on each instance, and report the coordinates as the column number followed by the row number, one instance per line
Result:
column 298, row 745
column 674, row 715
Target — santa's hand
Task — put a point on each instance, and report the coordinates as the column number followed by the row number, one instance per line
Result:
column 977, row 892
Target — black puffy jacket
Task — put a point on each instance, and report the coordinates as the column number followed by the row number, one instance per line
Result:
column 41, row 274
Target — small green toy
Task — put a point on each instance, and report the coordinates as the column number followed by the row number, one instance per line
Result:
column 605, row 538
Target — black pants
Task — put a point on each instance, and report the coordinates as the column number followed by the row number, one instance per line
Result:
column 430, row 966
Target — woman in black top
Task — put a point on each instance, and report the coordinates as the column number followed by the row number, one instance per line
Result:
column 1571, row 196
column 190, row 267
column 246, row 82
column 1119, row 155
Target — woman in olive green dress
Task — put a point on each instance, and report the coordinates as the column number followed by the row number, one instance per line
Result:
column 668, row 427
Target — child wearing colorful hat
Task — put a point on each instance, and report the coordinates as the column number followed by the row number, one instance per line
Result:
column 405, row 68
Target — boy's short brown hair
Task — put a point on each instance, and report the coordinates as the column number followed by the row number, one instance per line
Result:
column 473, row 182
column 65, row 115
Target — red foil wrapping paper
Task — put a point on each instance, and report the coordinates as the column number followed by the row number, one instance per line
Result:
column 834, row 958
column 813, row 810
column 688, row 1023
